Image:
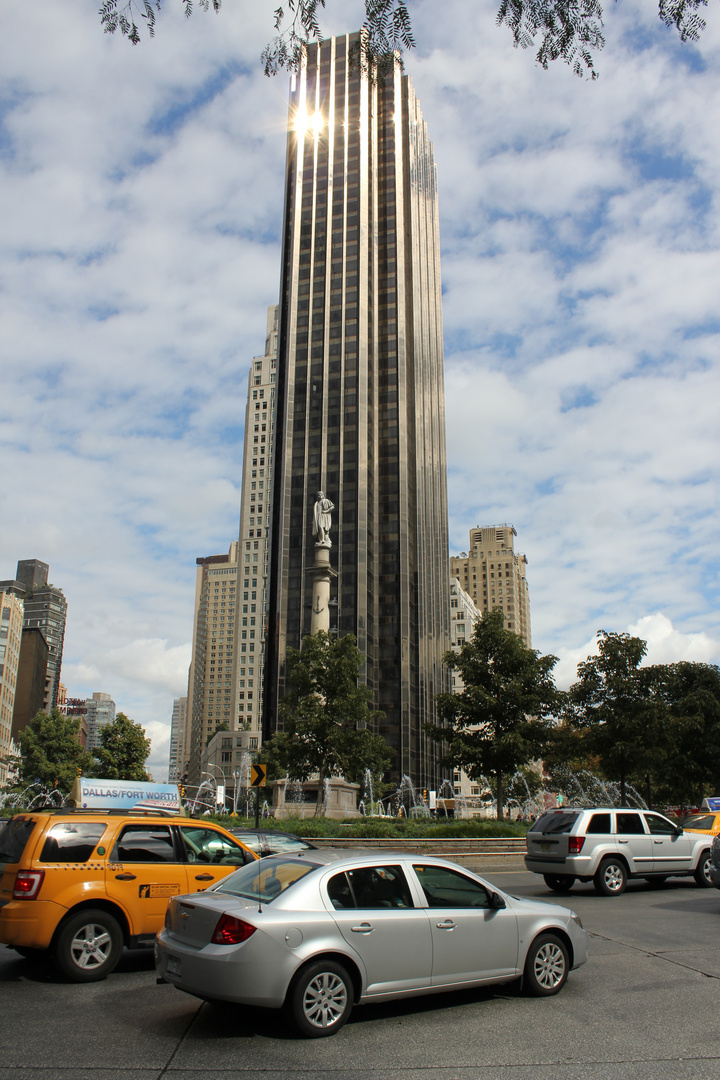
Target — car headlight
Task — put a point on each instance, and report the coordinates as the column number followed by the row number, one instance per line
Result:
column 576, row 919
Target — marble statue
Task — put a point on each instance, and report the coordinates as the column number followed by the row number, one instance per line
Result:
column 322, row 520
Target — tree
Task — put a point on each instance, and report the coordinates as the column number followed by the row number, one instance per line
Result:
column 124, row 750
column 50, row 752
column 326, row 715
column 619, row 709
column 692, row 766
column 500, row 719
column 568, row 30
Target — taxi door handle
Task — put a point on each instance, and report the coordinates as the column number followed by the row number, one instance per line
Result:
column 204, row 877
column 125, row 877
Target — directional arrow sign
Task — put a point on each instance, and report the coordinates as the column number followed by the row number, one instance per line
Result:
column 258, row 774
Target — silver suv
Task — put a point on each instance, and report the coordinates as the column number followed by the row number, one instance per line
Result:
column 608, row 845
column 715, row 863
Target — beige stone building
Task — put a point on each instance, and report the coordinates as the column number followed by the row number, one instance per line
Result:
column 11, row 625
column 492, row 573
column 226, row 669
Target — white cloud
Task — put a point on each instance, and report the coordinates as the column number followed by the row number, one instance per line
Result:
column 665, row 645
column 581, row 255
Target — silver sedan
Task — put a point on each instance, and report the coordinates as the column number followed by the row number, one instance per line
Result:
column 315, row 934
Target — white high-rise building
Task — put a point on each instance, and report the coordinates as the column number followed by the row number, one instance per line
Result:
column 99, row 712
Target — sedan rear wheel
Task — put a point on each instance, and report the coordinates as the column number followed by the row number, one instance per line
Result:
column 559, row 882
column 611, row 878
column 547, row 965
column 89, row 946
column 321, row 999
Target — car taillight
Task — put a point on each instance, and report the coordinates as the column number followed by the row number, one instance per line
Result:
column 231, row 931
column 27, row 884
column 575, row 844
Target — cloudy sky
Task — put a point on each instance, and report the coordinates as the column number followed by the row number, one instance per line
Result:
column 142, row 195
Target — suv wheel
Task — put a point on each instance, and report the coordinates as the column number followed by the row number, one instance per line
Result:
column 559, row 882
column 702, row 874
column 611, row 878
column 88, row 946
column 546, row 966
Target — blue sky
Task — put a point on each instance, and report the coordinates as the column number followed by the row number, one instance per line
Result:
column 142, row 190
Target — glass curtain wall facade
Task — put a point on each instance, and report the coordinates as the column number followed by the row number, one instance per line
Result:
column 360, row 399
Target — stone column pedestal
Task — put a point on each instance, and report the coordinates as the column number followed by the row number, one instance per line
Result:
column 322, row 574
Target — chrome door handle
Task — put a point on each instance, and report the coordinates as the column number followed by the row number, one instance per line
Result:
column 125, row 877
column 448, row 924
column 363, row 928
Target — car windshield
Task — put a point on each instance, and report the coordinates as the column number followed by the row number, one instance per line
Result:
column 265, row 880
column 698, row 821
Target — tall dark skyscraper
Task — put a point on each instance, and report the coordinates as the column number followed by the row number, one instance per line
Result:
column 360, row 400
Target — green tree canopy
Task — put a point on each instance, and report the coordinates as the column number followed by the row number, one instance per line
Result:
column 691, row 768
column 123, row 751
column 501, row 718
column 326, row 715
column 50, row 752
column 567, row 30
column 618, row 708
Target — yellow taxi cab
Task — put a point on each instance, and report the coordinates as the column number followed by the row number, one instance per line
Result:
column 703, row 822
column 79, row 885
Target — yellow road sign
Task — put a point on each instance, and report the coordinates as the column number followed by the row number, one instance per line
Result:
column 258, row 774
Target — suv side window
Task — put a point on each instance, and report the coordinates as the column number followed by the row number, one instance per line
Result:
column 145, row 844
column 659, row 825
column 599, row 823
column 72, row 841
column 629, row 825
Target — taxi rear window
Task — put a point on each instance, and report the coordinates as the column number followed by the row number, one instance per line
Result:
column 14, row 835
column 265, row 879
column 72, row 841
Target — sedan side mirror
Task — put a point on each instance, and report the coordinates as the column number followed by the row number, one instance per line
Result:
column 497, row 901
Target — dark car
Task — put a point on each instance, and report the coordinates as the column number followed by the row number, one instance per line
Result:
column 271, row 841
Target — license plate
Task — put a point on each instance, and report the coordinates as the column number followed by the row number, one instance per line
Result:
column 173, row 966
column 544, row 847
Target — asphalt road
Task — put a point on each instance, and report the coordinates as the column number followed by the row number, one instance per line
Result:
column 645, row 1007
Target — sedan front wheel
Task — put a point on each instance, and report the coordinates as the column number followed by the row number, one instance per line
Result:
column 546, row 966
column 321, row 999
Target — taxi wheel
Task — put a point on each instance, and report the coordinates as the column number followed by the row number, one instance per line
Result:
column 321, row 999
column 89, row 945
